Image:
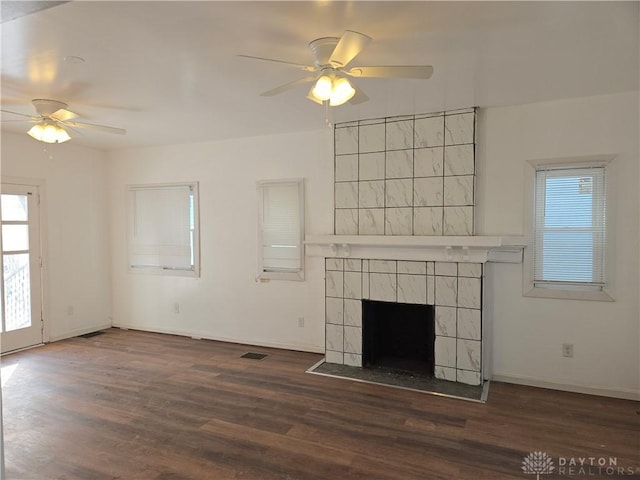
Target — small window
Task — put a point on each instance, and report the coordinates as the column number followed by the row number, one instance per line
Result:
column 281, row 229
column 163, row 229
column 569, row 231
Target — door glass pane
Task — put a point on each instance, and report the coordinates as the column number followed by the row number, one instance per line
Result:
column 15, row 238
column 17, row 291
column 14, row 208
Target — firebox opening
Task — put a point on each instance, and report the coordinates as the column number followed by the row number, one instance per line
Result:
column 398, row 336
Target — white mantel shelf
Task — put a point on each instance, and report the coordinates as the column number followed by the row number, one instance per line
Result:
column 476, row 249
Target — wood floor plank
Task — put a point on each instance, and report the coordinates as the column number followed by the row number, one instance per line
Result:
column 139, row 405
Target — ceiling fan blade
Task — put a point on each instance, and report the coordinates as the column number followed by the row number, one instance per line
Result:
column 392, row 71
column 31, row 117
column 358, row 97
column 92, row 126
column 306, row 68
column 63, row 115
column 350, row 44
column 287, row 86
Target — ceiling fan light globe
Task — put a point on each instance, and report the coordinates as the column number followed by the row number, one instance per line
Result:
column 48, row 133
column 342, row 92
column 322, row 89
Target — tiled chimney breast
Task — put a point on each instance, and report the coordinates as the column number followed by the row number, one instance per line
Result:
column 410, row 175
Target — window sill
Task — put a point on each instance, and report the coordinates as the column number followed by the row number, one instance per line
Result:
column 541, row 292
column 169, row 272
column 264, row 277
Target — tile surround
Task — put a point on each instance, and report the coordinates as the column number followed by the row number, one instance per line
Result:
column 423, row 165
column 454, row 288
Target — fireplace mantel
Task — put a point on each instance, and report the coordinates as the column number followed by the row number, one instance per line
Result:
column 475, row 249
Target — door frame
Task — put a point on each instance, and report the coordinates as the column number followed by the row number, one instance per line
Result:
column 40, row 183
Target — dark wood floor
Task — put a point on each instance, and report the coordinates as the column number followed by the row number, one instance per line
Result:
column 135, row 405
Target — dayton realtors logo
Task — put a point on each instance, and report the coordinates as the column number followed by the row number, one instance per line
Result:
column 539, row 463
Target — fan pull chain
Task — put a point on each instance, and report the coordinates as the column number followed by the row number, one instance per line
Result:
column 326, row 114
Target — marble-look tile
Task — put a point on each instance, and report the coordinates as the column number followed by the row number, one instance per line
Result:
column 469, row 292
column 446, row 291
column 353, row 312
column 335, row 337
column 353, row 340
column 428, row 162
column 371, row 194
column 334, row 310
column 458, row 221
column 353, row 285
column 413, row 268
column 445, row 351
column 429, row 132
column 399, row 164
column 372, row 166
column 334, row 284
column 470, row 270
column 431, row 290
column 346, row 168
column 458, row 190
column 431, row 268
column 398, row 221
column 334, row 264
column 365, row 285
column 399, row 193
column 446, row 269
column 334, row 357
column 346, row 194
column 469, row 353
column 353, row 360
column 346, row 221
column 445, row 321
column 382, row 287
column 459, row 129
column 427, row 192
column 371, row 138
column 412, row 289
column 383, row 266
column 444, row 373
column 399, row 135
column 459, row 160
column 352, row 265
column 346, row 140
column 469, row 325
column 427, row 221
column 470, row 378
column 371, row 221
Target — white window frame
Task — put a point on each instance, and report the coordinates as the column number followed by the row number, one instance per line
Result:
column 194, row 271
column 530, row 287
column 295, row 275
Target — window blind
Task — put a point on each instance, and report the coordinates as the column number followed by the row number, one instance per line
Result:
column 281, row 227
column 569, row 235
column 161, row 227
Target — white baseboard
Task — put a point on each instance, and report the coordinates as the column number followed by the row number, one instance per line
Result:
column 623, row 393
column 78, row 331
column 207, row 336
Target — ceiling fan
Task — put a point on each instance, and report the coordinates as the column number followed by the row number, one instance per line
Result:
column 53, row 119
column 332, row 56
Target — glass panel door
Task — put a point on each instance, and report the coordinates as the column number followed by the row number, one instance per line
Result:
column 21, row 313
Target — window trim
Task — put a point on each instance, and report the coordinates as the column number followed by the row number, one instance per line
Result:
column 262, row 274
column 529, row 287
column 176, row 272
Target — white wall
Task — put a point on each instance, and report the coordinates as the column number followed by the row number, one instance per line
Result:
column 75, row 241
column 528, row 332
column 226, row 302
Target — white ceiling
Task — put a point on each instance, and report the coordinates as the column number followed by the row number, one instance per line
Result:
column 168, row 71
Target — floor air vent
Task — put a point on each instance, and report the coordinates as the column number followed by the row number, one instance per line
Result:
column 254, row 355
column 92, row 334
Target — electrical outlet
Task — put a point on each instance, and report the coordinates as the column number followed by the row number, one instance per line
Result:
column 176, row 307
column 301, row 322
column 567, row 350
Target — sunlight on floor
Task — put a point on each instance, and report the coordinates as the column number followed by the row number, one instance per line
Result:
column 7, row 372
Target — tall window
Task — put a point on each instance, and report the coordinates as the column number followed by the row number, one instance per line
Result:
column 281, row 229
column 163, row 228
column 569, row 231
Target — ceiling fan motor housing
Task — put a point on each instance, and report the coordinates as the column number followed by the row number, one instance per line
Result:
column 46, row 108
column 322, row 49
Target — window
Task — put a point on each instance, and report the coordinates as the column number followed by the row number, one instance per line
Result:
column 163, row 229
column 281, row 229
column 569, row 231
